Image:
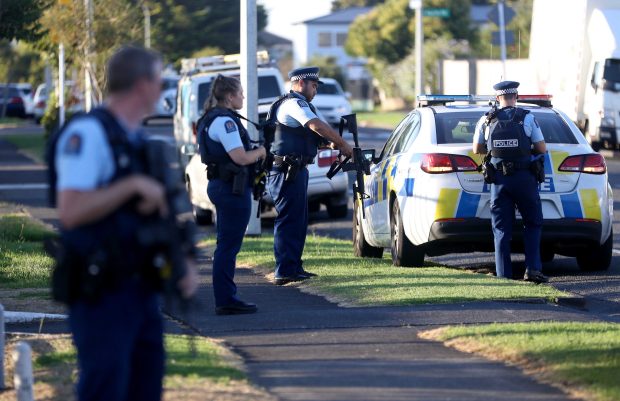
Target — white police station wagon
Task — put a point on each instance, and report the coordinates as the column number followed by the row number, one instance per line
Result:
column 426, row 197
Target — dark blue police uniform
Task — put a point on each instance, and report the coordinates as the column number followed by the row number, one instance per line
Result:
column 232, row 205
column 510, row 133
column 290, row 193
column 114, row 306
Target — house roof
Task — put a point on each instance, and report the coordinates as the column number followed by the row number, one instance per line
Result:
column 269, row 39
column 345, row 16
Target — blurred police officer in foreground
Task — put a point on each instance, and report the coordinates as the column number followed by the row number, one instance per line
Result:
column 515, row 142
column 226, row 150
column 103, row 197
column 299, row 133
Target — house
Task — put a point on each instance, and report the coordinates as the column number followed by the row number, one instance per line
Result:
column 326, row 36
column 277, row 46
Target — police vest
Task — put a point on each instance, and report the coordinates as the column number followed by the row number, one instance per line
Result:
column 298, row 141
column 507, row 138
column 212, row 152
column 113, row 240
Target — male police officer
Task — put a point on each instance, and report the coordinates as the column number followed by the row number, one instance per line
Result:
column 299, row 132
column 103, row 198
column 512, row 135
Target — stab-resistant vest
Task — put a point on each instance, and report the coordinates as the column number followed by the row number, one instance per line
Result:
column 298, row 141
column 212, row 152
column 115, row 237
column 507, row 138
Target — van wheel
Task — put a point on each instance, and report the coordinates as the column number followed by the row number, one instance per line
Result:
column 361, row 248
column 404, row 253
column 598, row 257
column 203, row 217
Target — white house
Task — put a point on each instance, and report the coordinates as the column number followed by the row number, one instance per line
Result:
column 325, row 36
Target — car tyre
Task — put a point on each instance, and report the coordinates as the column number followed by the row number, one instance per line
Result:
column 598, row 257
column 314, row 207
column 361, row 248
column 404, row 253
column 337, row 211
column 203, row 217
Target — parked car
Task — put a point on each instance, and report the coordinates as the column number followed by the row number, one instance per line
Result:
column 426, row 197
column 15, row 102
column 26, row 94
column 331, row 101
column 40, row 102
column 74, row 100
column 166, row 106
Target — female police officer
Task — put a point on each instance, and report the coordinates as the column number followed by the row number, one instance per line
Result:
column 225, row 149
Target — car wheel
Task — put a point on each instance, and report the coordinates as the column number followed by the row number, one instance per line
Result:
column 598, row 257
column 314, row 207
column 404, row 253
column 203, row 217
column 337, row 211
column 361, row 248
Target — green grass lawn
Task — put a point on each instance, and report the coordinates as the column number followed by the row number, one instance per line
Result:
column 381, row 119
column 23, row 262
column 31, row 144
column 363, row 281
column 585, row 355
column 12, row 121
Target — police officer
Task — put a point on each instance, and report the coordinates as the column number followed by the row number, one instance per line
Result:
column 514, row 139
column 299, row 132
column 103, row 195
column 225, row 149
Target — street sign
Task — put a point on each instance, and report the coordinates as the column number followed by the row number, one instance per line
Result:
column 509, row 14
column 510, row 38
column 436, row 12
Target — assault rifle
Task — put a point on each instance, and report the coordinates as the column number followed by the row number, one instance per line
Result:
column 360, row 164
column 262, row 168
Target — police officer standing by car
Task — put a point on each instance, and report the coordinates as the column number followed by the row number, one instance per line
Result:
column 104, row 196
column 226, row 150
column 298, row 134
column 512, row 138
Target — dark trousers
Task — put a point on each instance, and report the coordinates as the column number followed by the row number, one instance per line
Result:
column 233, row 214
column 520, row 190
column 119, row 342
column 291, row 224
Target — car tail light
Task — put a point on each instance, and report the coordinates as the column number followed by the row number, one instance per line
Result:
column 439, row 163
column 327, row 157
column 41, row 104
column 589, row 164
column 16, row 100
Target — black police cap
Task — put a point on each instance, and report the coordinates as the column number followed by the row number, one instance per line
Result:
column 506, row 87
column 305, row 73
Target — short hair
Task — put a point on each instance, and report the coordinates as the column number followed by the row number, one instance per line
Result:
column 128, row 65
column 509, row 96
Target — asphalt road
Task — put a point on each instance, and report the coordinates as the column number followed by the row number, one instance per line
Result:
column 602, row 288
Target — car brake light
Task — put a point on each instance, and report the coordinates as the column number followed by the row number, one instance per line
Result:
column 589, row 164
column 41, row 104
column 327, row 157
column 438, row 163
column 16, row 100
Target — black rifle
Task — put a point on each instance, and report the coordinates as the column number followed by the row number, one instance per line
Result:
column 359, row 164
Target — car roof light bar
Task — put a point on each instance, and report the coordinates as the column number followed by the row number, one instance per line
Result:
column 437, row 100
column 220, row 62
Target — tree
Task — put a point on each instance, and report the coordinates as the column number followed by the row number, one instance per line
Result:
column 341, row 4
column 183, row 27
column 19, row 19
column 520, row 26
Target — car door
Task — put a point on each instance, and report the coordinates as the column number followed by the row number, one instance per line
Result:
column 380, row 180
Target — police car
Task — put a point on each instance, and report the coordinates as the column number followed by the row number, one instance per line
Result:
column 425, row 196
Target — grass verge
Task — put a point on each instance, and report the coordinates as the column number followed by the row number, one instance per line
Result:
column 32, row 145
column 381, row 119
column 207, row 375
column 583, row 358
column 23, row 262
column 349, row 280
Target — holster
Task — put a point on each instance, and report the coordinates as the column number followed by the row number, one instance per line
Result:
column 537, row 167
column 292, row 166
column 488, row 172
column 230, row 172
column 508, row 168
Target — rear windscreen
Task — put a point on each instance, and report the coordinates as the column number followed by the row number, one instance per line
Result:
column 268, row 88
column 460, row 127
column 327, row 89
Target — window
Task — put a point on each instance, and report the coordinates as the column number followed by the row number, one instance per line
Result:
column 460, row 127
column 341, row 39
column 268, row 87
column 328, row 89
column 325, row 39
column 387, row 149
column 204, row 90
column 169, row 83
column 410, row 133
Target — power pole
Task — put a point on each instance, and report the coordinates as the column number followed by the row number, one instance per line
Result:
column 61, row 85
column 419, row 40
column 147, row 25
column 88, row 70
column 249, row 81
column 502, row 36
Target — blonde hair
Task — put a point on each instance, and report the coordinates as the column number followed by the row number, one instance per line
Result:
column 221, row 87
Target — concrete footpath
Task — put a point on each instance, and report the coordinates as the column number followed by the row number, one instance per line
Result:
column 302, row 347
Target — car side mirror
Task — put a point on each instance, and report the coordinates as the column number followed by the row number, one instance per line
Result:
column 188, row 149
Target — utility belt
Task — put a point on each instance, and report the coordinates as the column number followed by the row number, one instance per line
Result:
column 290, row 165
column 230, row 172
column 508, row 168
